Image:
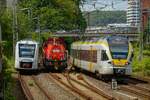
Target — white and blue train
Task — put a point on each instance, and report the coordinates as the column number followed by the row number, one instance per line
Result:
column 26, row 55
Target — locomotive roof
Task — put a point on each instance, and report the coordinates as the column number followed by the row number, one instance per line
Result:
column 28, row 41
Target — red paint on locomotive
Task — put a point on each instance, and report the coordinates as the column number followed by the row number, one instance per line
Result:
column 54, row 52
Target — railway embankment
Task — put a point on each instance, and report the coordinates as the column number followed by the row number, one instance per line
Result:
column 141, row 68
column 11, row 89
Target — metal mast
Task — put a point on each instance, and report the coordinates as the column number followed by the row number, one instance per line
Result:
column 140, row 29
column 14, row 28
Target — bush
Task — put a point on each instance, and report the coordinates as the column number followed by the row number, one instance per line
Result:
column 8, row 82
column 146, row 53
column 141, row 66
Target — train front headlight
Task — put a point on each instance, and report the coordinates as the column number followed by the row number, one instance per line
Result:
column 111, row 62
column 50, row 58
column 127, row 63
column 61, row 58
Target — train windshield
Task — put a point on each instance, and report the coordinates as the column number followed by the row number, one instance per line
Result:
column 118, row 48
column 26, row 50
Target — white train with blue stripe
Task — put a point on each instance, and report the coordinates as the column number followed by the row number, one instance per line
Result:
column 26, row 55
column 104, row 56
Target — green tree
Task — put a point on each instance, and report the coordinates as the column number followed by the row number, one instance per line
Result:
column 2, row 6
column 55, row 14
column 7, row 35
column 102, row 18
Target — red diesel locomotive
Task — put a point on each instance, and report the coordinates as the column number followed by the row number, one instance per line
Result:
column 55, row 54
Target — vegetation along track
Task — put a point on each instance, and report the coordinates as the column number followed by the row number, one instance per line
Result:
column 76, row 89
column 27, row 91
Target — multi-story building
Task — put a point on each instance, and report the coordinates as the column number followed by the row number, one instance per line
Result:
column 133, row 12
column 138, row 10
column 146, row 13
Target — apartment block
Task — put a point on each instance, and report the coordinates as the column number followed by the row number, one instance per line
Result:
column 133, row 12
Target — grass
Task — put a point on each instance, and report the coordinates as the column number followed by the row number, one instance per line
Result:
column 8, row 81
column 142, row 67
column 31, row 83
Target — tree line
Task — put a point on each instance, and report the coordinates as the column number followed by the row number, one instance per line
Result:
column 102, row 18
column 52, row 15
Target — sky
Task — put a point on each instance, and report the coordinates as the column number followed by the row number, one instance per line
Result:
column 104, row 5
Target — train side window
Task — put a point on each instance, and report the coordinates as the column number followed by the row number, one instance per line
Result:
column 104, row 56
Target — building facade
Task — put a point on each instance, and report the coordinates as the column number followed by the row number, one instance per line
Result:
column 146, row 13
column 133, row 12
column 138, row 10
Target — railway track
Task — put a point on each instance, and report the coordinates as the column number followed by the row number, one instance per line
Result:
column 71, row 85
column 136, row 91
column 25, row 88
column 139, row 78
column 132, row 87
column 29, row 95
column 135, row 85
column 95, row 89
column 41, row 88
column 138, row 84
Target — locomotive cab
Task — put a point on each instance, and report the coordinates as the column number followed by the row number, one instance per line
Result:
column 54, row 54
column 26, row 56
column 121, row 56
column 115, row 60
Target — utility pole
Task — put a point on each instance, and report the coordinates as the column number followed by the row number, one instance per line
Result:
column 30, row 19
column 88, row 19
column 0, row 49
column 14, row 27
column 39, row 28
column 97, row 12
column 16, row 22
column 148, row 38
column 29, row 11
column 140, row 30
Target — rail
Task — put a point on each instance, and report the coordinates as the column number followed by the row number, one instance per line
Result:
column 98, row 91
column 41, row 88
column 94, row 89
column 25, row 88
column 70, row 87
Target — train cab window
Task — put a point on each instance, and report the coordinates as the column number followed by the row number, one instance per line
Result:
column 27, row 50
column 104, row 56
